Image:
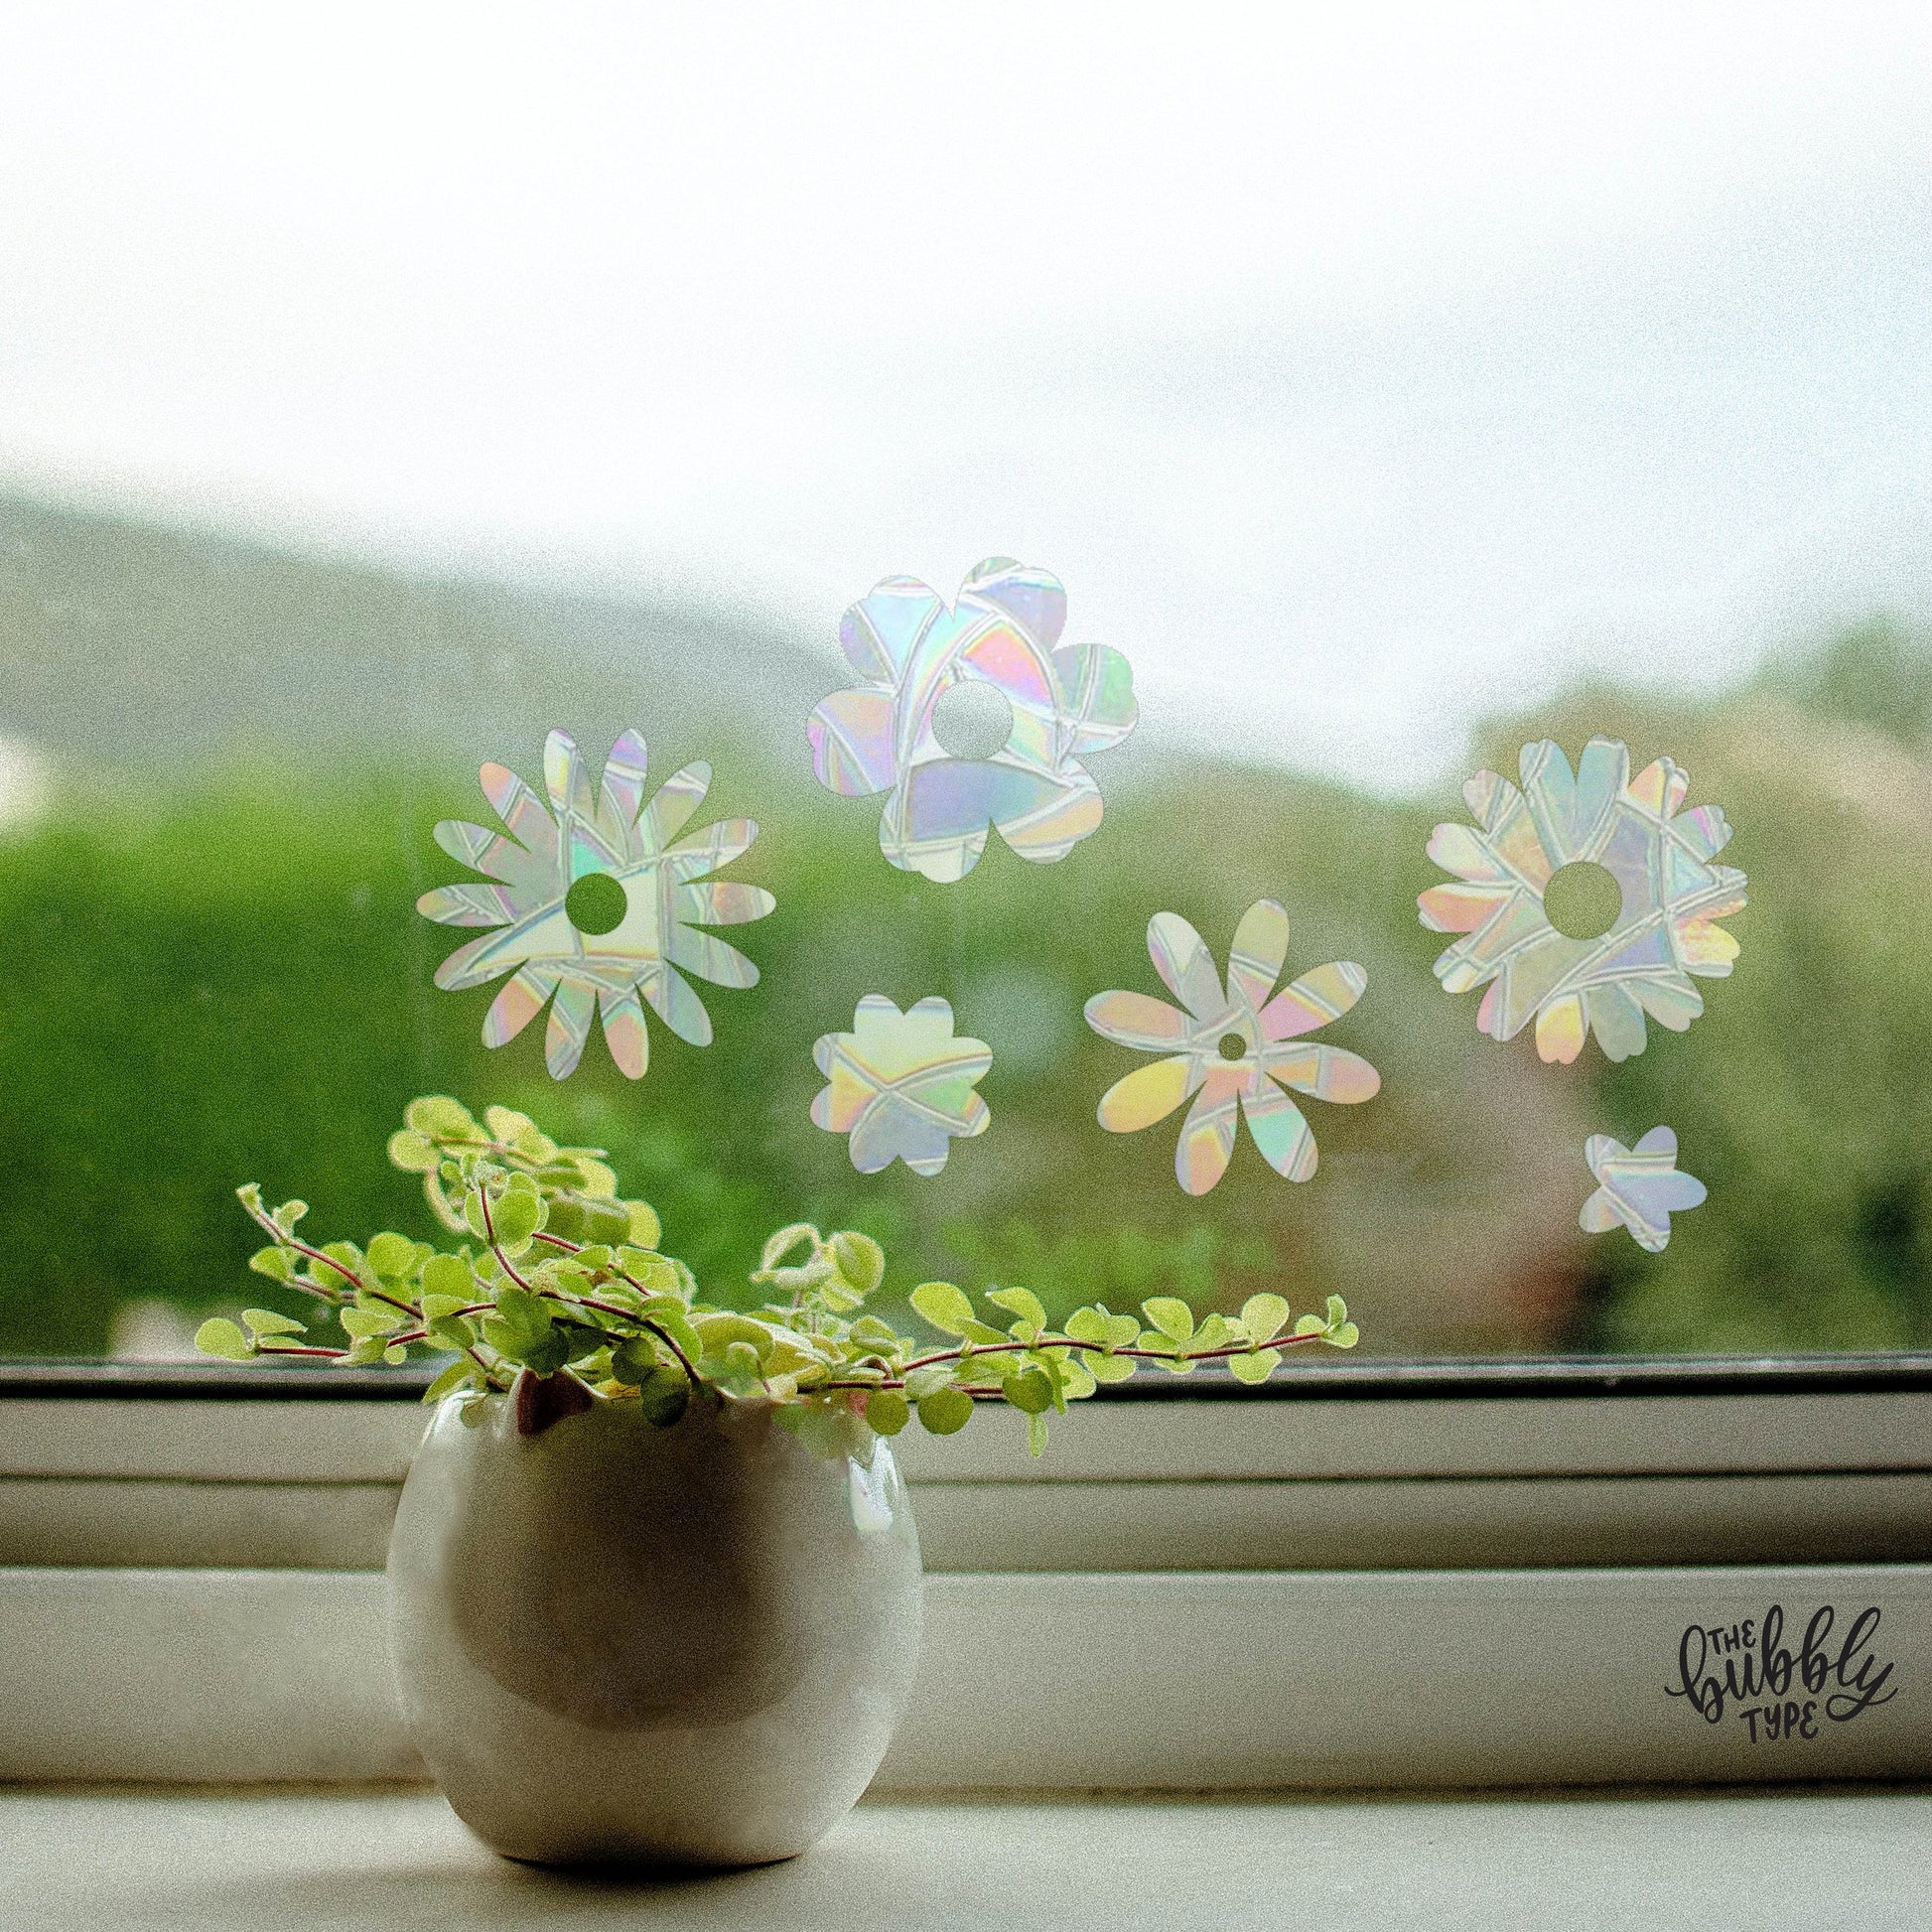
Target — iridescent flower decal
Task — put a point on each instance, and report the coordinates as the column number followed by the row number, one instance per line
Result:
column 1559, row 839
column 901, row 1085
column 1639, row 1187
column 1232, row 1046
column 595, row 900
column 997, row 652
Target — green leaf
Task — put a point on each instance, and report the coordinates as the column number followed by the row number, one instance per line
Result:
column 1344, row 1335
column 1025, row 1304
column 1076, row 1381
column 395, row 1354
column 1262, row 1317
column 888, row 1410
column 1255, row 1368
column 452, row 1334
column 221, row 1338
column 290, row 1211
column 567, row 1220
column 924, row 1381
column 439, row 1118
column 1338, row 1311
column 515, row 1216
column 648, row 1269
column 412, row 1152
column 265, row 1322
column 606, row 1223
column 860, row 1260
column 1310, row 1324
column 547, row 1355
column 363, row 1353
column 437, row 1306
column 1109, row 1368
column 718, row 1332
column 784, row 1241
column 1035, row 1435
column 633, row 1359
column 1088, row 1324
column 1173, row 1319
column 1214, row 1333
column 451, row 1379
column 505, row 1124
column 666, row 1394
column 275, row 1263
column 446, row 1278
column 945, row 1412
column 347, row 1256
column 519, row 1306
column 393, row 1256
column 947, row 1309
column 872, row 1332
column 1032, row 1391
column 368, row 1322
column 645, row 1230
column 676, row 1326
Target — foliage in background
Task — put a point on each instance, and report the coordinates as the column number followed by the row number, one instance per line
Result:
column 219, row 970
column 560, row 1295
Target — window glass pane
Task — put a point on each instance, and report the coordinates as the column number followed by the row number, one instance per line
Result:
column 1399, row 403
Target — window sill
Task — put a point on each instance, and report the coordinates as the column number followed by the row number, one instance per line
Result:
column 235, row 1862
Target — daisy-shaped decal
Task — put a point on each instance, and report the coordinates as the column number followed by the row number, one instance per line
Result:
column 595, row 900
column 1639, row 1188
column 1588, row 899
column 901, row 1085
column 1232, row 1047
column 970, row 717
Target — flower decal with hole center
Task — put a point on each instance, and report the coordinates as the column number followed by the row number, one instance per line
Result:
column 1232, row 1047
column 595, row 900
column 1058, row 704
column 1561, row 829
column 1639, row 1188
column 901, row 1085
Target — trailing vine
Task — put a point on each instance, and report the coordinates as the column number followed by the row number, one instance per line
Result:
column 558, row 1288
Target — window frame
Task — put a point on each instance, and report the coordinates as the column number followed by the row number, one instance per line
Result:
column 200, row 1616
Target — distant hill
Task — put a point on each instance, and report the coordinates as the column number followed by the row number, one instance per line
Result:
column 133, row 645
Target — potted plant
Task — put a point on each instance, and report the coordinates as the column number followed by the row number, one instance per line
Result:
column 655, row 1583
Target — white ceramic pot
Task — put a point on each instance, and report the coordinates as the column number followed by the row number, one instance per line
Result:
column 623, row 1644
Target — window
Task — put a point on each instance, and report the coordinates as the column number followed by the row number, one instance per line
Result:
column 1552, row 423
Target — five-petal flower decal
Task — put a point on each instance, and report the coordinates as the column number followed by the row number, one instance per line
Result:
column 595, row 900
column 1639, row 1188
column 901, row 1085
column 1668, row 896
column 1233, row 1047
column 1059, row 703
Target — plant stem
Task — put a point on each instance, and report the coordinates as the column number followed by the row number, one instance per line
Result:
column 584, row 1300
column 1093, row 1348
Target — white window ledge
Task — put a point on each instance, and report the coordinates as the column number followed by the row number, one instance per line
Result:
column 1148, row 1681
column 239, row 1862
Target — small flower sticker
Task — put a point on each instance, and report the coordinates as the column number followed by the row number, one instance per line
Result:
column 1639, row 1188
column 901, row 1085
column 1589, row 899
column 1233, row 1046
column 596, row 900
column 971, row 718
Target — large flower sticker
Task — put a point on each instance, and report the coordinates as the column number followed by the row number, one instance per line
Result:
column 1233, row 1047
column 971, row 718
column 901, row 1085
column 595, row 900
column 1639, row 1188
column 1528, row 871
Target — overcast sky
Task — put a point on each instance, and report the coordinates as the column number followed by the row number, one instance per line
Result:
column 1360, row 370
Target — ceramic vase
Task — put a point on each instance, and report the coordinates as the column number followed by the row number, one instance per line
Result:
column 624, row 1644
